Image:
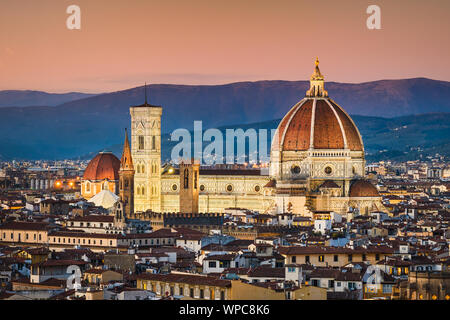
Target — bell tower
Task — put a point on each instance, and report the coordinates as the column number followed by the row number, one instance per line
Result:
column 189, row 186
column 146, row 153
column 126, row 179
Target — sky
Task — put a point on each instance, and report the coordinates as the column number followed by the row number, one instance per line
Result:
column 122, row 44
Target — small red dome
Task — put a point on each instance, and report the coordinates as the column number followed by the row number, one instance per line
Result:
column 363, row 188
column 105, row 165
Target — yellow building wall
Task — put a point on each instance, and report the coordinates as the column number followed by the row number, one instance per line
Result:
column 328, row 259
column 160, row 288
column 24, row 236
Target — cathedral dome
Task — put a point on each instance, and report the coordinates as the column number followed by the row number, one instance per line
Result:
column 317, row 122
column 105, row 165
column 363, row 188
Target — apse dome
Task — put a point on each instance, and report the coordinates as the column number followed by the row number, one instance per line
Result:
column 104, row 166
column 363, row 188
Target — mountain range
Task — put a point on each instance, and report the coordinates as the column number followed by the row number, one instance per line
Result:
column 79, row 127
column 26, row 98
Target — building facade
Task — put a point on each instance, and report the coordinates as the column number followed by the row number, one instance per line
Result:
column 317, row 163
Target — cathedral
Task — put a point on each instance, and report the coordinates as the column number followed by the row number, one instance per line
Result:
column 316, row 164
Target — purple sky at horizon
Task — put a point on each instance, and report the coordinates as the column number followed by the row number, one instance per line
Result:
column 123, row 44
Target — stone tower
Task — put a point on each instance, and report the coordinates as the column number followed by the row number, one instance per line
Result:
column 146, row 153
column 120, row 221
column 126, row 179
column 189, row 186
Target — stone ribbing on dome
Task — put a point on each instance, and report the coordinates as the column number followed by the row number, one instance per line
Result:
column 354, row 140
column 327, row 131
column 317, row 123
column 298, row 138
column 103, row 166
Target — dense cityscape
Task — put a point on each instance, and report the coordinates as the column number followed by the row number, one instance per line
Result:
column 316, row 223
column 47, row 226
column 197, row 160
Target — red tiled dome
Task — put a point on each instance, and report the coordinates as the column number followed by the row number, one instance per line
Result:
column 363, row 188
column 105, row 165
column 318, row 124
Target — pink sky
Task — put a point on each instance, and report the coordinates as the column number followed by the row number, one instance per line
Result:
column 122, row 44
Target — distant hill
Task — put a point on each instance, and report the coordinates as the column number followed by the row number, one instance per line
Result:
column 402, row 138
column 27, row 98
column 79, row 127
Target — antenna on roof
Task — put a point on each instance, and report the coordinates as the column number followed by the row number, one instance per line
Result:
column 145, row 89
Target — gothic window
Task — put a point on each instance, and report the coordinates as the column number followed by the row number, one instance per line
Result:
column 141, row 142
column 142, row 169
column 186, row 178
column 126, row 183
column 153, row 142
column 142, row 191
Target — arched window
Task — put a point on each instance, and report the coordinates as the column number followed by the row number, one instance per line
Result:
column 88, row 186
column 153, row 142
column 141, row 143
column 186, row 178
column 142, row 169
